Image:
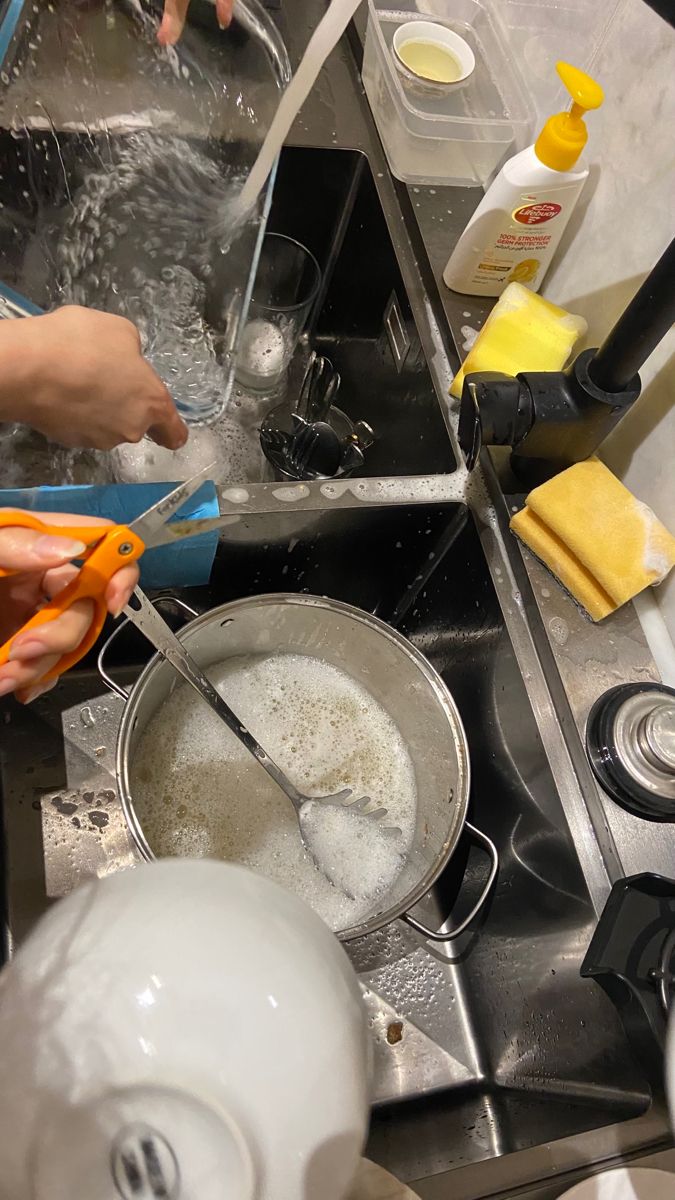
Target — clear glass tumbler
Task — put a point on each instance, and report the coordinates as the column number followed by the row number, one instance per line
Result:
column 285, row 289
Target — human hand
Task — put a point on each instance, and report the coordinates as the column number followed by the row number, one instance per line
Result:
column 175, row 12
column 43, row 568
column 77, row 375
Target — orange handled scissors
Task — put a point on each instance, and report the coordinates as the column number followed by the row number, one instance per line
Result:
column 108, row 548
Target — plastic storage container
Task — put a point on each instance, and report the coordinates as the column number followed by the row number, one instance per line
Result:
column 459, row 135
column 538, row 33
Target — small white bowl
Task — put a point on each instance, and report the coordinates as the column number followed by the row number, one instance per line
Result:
column 438, row 35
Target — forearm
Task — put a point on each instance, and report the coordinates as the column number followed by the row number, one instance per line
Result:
column 19, row 354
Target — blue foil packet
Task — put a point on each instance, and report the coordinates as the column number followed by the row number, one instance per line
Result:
column 186, row 563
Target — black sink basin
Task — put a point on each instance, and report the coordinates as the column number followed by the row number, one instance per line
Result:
column 326, row 199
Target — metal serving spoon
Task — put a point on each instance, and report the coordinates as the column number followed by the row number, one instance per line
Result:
column 145, row 617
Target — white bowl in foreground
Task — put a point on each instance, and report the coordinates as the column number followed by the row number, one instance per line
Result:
column 182, row 1029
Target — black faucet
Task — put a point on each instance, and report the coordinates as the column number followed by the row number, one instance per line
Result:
column 553, row 419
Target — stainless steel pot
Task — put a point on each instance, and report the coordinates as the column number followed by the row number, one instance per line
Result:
column 391, row 669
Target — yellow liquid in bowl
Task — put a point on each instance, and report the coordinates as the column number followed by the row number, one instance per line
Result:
column 430, row 61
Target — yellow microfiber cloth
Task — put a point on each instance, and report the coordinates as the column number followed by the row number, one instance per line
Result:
column 522, row 333
column 600, row 542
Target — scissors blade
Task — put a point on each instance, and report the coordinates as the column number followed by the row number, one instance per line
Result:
column 151, row 525
column 177, row 530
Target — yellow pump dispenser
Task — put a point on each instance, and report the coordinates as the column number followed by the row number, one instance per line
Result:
column 564, row 135
column 516, row 229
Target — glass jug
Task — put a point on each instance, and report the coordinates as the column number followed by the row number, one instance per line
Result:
column 121, row 160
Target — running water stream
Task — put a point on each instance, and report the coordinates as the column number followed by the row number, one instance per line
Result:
column 324, row 39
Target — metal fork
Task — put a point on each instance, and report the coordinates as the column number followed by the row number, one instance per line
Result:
column 301, row 446
column 146, row 618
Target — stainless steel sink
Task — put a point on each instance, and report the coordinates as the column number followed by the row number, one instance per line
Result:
column 502, row 1044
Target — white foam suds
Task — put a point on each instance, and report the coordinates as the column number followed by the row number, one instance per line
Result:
column 393, row 489
column 232, row 443
column 146, row 462
column 655, row 558
column 263, row 354
column 198, row 792
column 235, row 495
column 469, row 334
column 290, row 494
column 358, row 854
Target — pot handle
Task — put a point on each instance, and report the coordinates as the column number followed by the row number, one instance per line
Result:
column 190, row 613
column 438, row 935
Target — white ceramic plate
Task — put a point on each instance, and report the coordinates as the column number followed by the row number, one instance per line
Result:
column 625, row 1183
column 374, row 1183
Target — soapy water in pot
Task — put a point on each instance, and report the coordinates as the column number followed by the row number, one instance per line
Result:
column 198, row 792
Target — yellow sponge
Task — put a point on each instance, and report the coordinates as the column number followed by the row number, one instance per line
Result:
column 600, row 542
column 522, row 333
